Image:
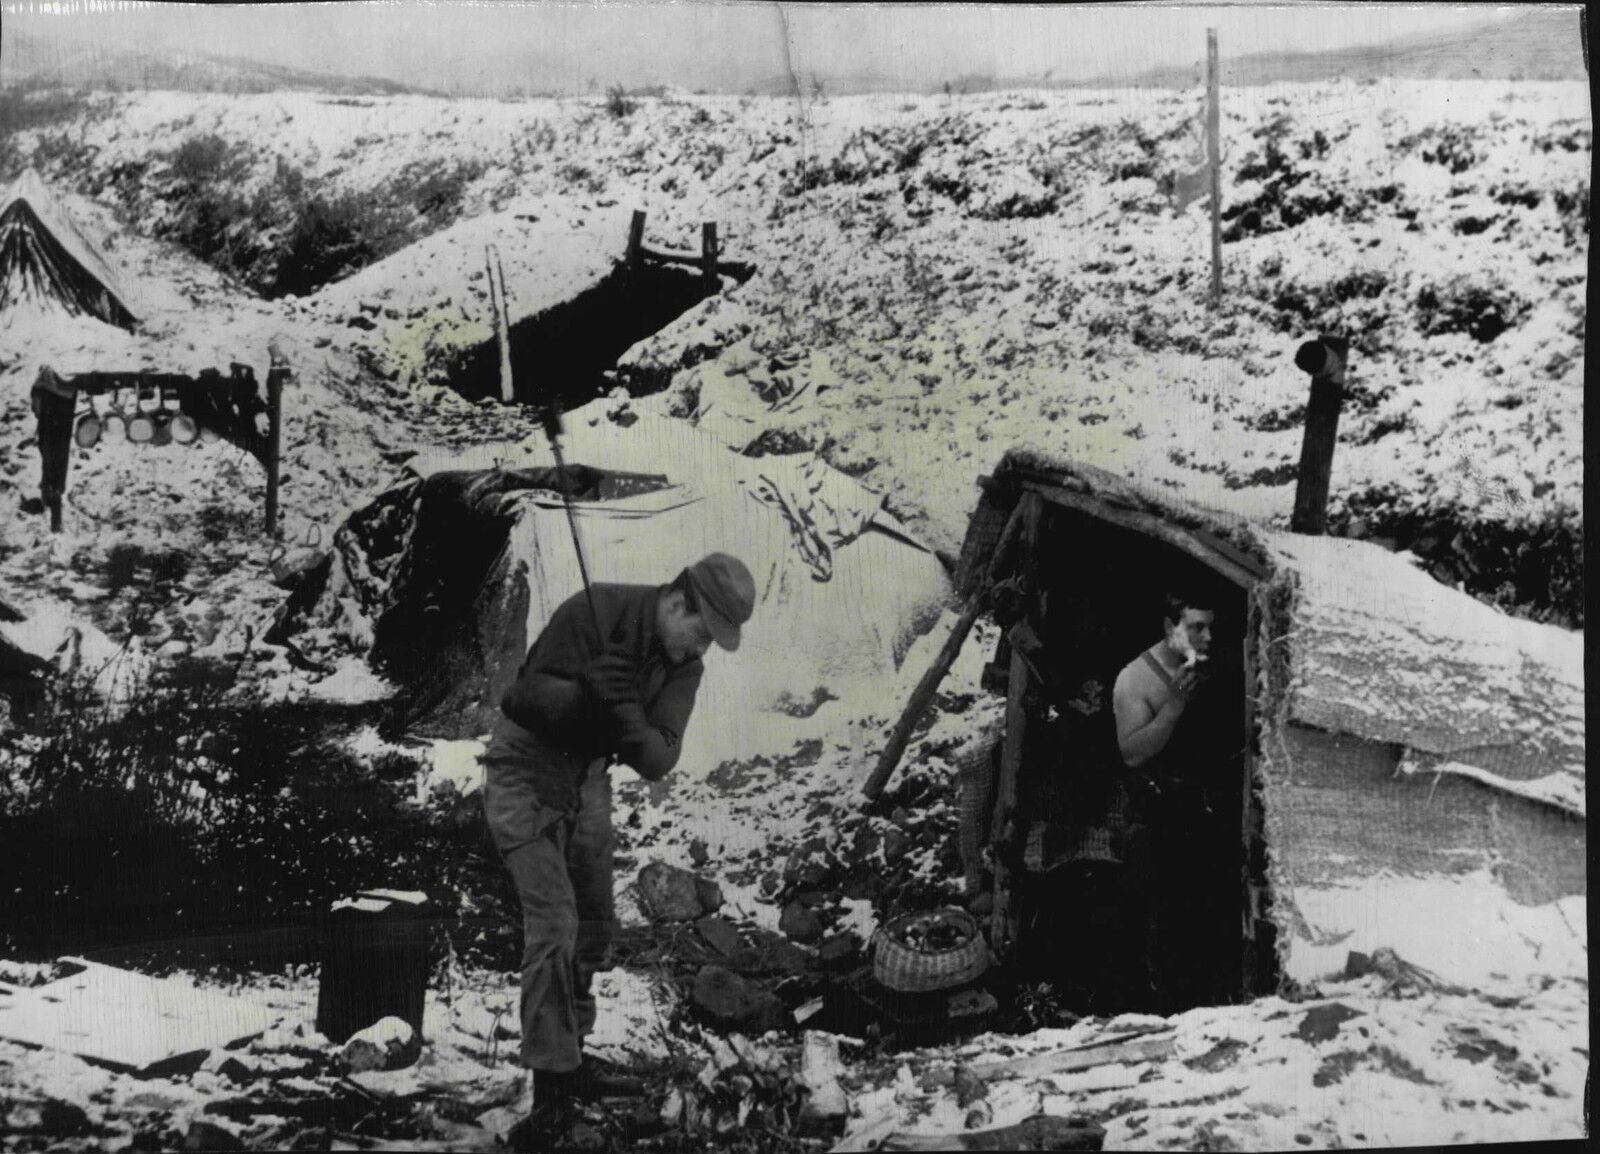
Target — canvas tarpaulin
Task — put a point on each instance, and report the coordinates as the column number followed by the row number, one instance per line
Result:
column 837, row 629
column 1380, row 650
column 1422, row 770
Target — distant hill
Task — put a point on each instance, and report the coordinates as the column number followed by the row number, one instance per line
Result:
column 1535, row 45
column 34, row 65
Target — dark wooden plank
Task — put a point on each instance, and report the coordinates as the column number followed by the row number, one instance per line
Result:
column 923, row 693
column 1151, row 525
column 1020, row 696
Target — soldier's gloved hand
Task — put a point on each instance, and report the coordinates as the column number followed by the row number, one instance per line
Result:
column 610, row 677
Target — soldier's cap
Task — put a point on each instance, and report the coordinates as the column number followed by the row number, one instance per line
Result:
column 726, row 593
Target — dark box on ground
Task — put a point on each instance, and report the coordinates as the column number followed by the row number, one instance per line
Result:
column 375, row 960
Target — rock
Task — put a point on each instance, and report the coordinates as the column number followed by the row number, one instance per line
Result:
column 896, row 843
column 800, row 923
column 839, row 951
column 809, row 866
column 387, row 1044
column 790, row 958
column 53, row 1118
column 670, row 894
column 582, row 1136
column 868, row 842
column 733, row 1003
column 969, row 1087
column 720, row 934
column 710, row 894
column 205, row 1134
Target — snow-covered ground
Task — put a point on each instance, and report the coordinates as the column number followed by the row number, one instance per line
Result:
column 938, row 280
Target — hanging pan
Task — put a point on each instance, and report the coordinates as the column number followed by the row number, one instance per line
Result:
column 142, row 425
column 114, row 424
column 184, row 429
column 87, row 432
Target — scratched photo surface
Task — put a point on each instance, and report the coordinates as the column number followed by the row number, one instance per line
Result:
column 1138, row 451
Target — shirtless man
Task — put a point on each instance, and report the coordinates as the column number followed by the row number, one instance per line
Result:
column 1165, row 746
column 1155, row 688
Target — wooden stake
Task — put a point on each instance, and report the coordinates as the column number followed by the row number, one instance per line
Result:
column 497, row 302
column 1020, row 698
column 708, row 255
column 1214, row 161
column 917, row 703
column 1326, row 361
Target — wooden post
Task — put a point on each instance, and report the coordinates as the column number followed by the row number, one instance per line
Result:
column 275, row 377
column 708, row 256
column 502, row 334
column 1021, row 697
column 917, row 703
column 1326, row 360
column 55, row 414
column 635, row 239
column 1214, row 161
column 1247, row 973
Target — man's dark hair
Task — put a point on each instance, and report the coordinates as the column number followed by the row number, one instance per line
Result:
column 1175, row 602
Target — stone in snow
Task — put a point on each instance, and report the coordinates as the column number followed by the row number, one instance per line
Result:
column 670, row 894
column 734, row 1003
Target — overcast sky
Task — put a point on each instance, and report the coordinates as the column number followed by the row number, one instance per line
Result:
column 486, row 47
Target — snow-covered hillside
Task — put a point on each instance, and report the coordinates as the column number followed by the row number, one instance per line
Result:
column 938, row 279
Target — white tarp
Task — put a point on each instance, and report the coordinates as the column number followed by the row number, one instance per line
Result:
column 837, row 630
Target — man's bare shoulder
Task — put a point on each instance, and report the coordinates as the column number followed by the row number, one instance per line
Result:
column 1135, row 673
column 1137, row 681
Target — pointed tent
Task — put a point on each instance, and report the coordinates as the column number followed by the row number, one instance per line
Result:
column 46, row 256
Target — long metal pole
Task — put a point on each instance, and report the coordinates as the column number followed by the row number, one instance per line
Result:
column 1214, row 161
column 551, row 419
column 572, row 523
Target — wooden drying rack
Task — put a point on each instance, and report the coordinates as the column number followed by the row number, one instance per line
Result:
column 226, row 404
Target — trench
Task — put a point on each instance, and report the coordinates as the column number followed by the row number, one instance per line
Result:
column 564, row 353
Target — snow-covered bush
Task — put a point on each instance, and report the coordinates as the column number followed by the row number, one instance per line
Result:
column 1482, row 306
column 198, row 801
column 1532, row 567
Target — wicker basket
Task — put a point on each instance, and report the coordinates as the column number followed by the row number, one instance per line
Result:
column 912, row 971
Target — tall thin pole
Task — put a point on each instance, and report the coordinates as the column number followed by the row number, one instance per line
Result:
column 1214, row 161
column 497, row 302
column 550, row 417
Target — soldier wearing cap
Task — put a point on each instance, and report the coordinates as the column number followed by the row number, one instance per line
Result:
column 581, row 701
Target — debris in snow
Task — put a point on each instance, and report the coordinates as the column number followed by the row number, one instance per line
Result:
column 820, row 1068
